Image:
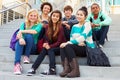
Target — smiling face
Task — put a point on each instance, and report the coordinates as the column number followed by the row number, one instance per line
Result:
column 33, row 17
column 68, row 13
column 80, row 16
column 95, row 9
column 46, row 9
column 55, row 17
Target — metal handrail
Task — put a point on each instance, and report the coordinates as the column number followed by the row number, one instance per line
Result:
column 1, row 11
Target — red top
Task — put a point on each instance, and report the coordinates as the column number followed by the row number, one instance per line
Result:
column 96, row 16
column 60, row 38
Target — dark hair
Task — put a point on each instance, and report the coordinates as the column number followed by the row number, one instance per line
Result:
column 84, row 9
column 46, row 3
column 68, row 7
column 95, row 4
column 53, row 34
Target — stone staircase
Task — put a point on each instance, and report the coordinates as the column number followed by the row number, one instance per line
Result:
column 111, row 48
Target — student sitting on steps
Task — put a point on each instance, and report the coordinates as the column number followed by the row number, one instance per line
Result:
column 100, row 23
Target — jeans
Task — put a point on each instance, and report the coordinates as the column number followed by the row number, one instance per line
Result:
column 30, row 47
column 51, row 53
column 101, row 34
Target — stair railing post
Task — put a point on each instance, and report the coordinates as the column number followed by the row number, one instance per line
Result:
column 7, row 17
column 0, row 14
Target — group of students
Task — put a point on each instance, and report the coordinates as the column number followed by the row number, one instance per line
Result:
column 66, row 37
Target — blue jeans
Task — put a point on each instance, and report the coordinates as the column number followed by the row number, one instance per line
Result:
column 101, row 34
column 51, row 53
column 30, row 47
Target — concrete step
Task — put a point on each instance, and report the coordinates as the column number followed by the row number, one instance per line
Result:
column 114, row 60
column 112, row 52
column 112, row 44
column 7, row 55
column 10, row 58
column 86, row 71
column 11, row 76
column 9, row 26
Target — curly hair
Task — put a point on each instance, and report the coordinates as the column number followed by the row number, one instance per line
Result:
column 46, row 3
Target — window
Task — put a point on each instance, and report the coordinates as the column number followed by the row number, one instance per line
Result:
column 116, row 2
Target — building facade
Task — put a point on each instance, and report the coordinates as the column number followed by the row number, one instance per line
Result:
column 108, row 6
column 12, row 9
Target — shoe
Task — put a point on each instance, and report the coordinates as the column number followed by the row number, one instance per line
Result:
column 101, row 46
column 31, row 72
column 17, row 69
column 26, row 60
column 52, row 71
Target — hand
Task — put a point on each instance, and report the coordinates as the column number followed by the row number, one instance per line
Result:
column 67, row 26
column 97, row 25
column 94, row 25
column 22, row 41
column 19, row 35
column 82, row 44
column 64, row 22
column 63, row 45
column 46, row 45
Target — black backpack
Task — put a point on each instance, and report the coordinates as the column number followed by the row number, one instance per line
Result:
column 101, row 19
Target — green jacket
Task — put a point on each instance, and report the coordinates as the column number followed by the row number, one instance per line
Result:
column 106, row 20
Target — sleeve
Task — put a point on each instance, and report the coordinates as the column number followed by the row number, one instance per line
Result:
column 107, row 20
column 88, row 17
column 38, row 28
column 22, row 26
column 73, row 21
column 60, row 39
column 83, row 35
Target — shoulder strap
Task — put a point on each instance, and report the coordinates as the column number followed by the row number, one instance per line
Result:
column 101, row 18
column 91, row 20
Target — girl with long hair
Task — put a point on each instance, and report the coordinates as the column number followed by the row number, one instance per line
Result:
column 80, row 33
column 54, row 36
column 27, row 39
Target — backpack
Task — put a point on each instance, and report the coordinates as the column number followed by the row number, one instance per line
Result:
column 14, row 40
column 101, row 19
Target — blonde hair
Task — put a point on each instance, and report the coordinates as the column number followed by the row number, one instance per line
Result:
column 27, row 22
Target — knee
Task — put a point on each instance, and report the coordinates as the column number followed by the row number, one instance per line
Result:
column 51, row 50
column 68, row 46
column 29, row 37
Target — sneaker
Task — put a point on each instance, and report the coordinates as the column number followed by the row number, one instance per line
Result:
column 46, row 72
column 17, row 69
column 52, row 71
column 26, row 60
column 101, row 46
column 31, row 72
